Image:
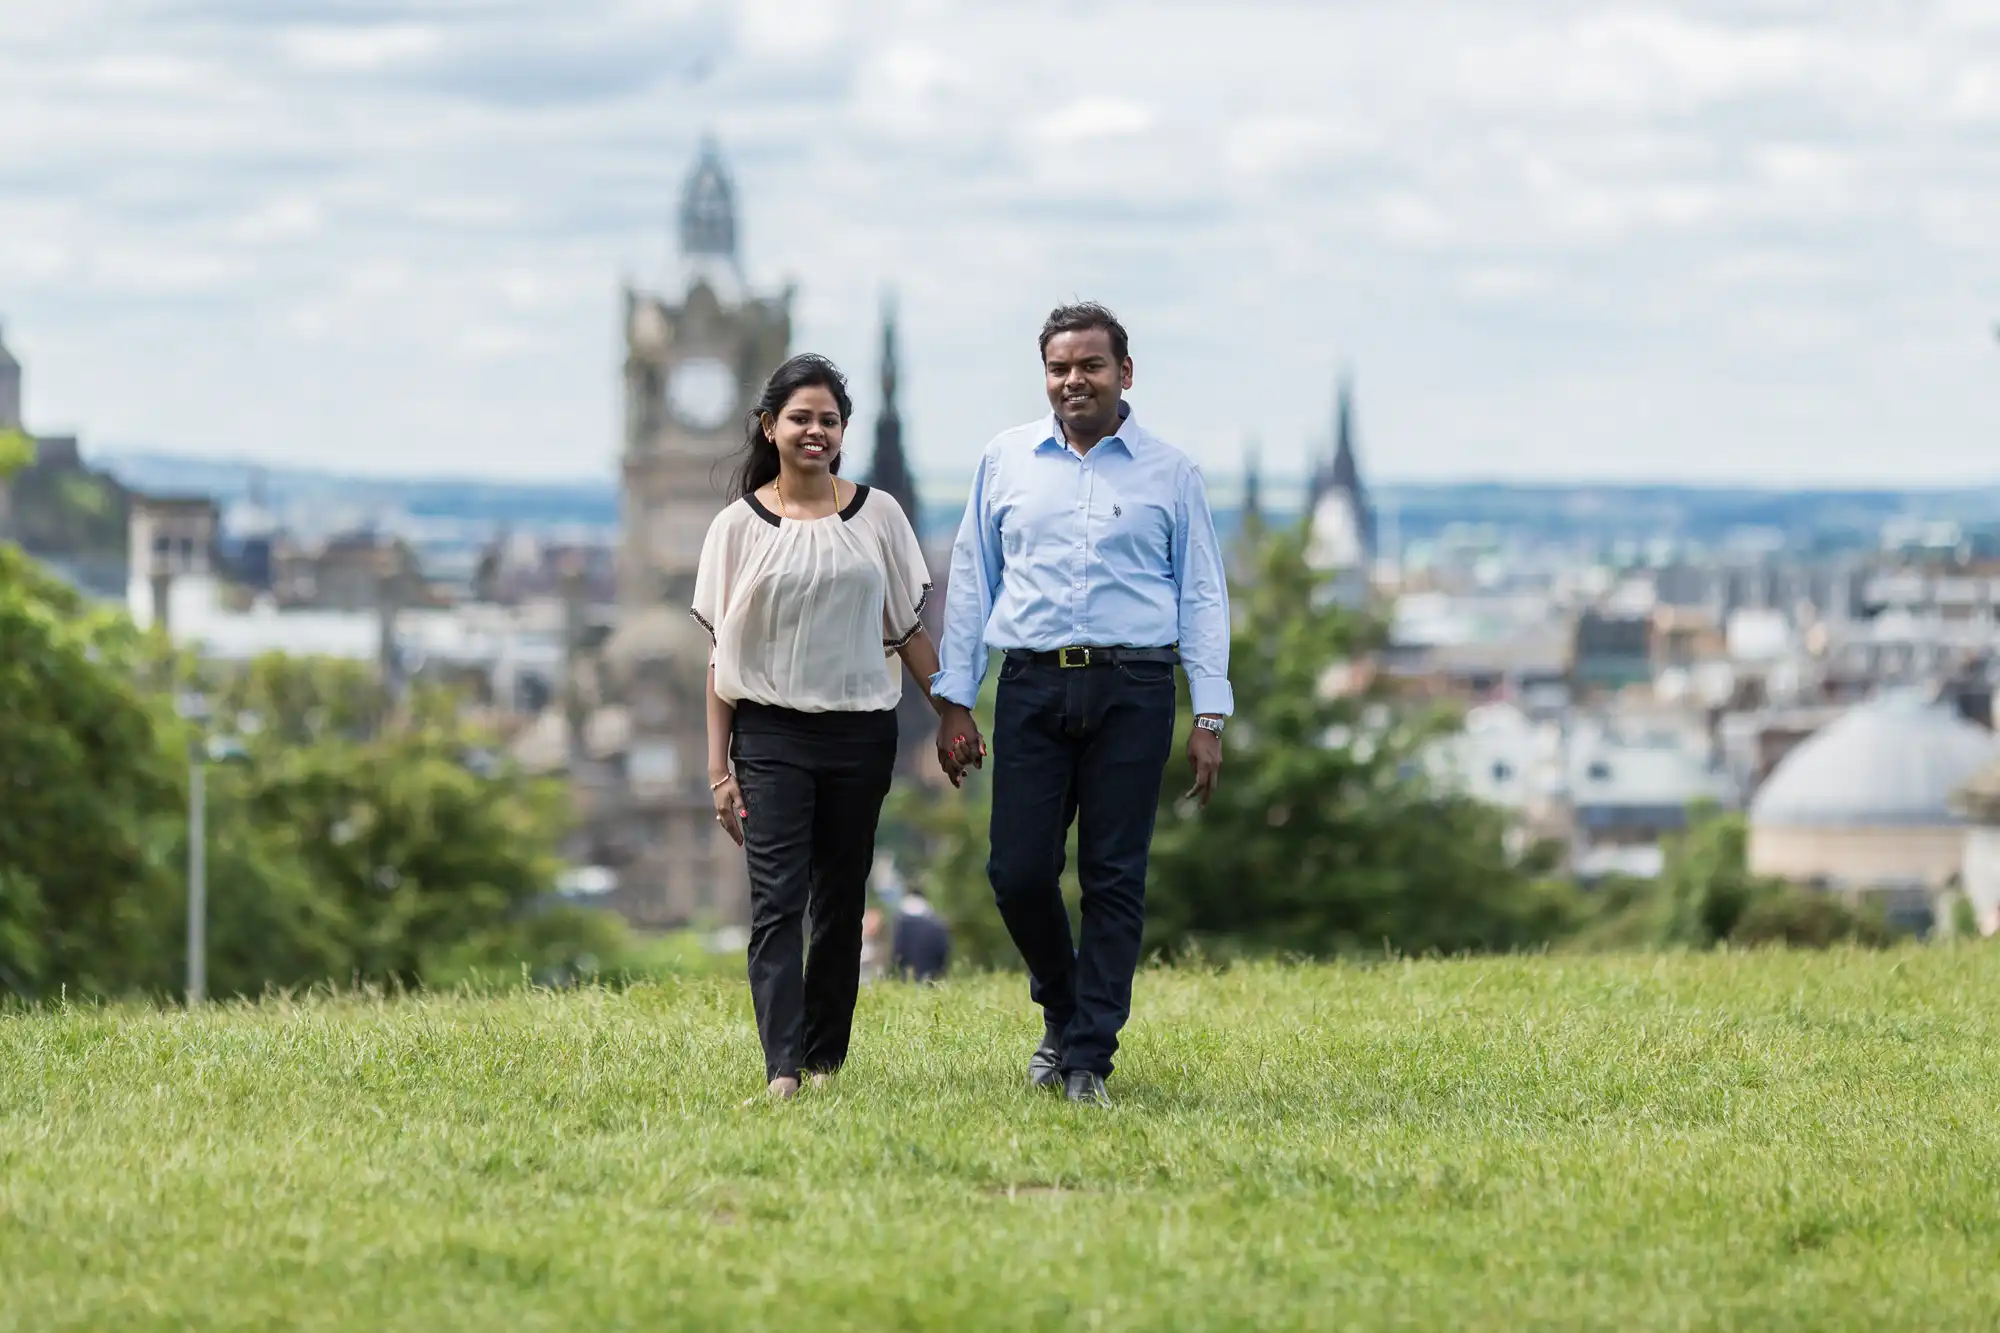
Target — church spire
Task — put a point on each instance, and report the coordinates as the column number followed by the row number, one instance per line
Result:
column 889, row 469
column 1252, row 515
column 1345, row 473
column 1250, row 529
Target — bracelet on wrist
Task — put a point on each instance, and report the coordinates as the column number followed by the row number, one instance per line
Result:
column 719, row 781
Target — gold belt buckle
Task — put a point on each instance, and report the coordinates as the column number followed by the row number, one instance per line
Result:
column 1073, row 657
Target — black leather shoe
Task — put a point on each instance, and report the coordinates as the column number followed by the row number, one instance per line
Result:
column 1080, row 1085
column 1045, row 1065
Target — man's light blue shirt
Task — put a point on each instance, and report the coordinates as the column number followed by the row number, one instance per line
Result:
column 1114, row 548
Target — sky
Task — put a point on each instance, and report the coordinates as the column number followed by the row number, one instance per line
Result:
column 1749, row 241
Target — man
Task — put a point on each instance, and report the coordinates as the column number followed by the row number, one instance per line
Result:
column 922, row 947
column 1088, row 556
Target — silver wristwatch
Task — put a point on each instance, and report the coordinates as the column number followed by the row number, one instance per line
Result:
column 1213, row 724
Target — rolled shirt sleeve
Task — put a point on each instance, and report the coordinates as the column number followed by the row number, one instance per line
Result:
column 1203, row 584
column 975, row 582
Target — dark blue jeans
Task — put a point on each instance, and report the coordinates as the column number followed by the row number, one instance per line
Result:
column 1086, row 745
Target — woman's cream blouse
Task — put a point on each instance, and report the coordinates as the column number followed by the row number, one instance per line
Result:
column 808, row 613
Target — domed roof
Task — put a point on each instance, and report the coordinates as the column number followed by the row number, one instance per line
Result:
column 1895, row 762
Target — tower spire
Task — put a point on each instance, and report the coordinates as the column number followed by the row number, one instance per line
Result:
column 1253, row 485
column 1345, row 473
column 889, row 469
column 708, row 208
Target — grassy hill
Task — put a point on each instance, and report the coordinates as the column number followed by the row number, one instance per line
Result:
column 1770, row 1141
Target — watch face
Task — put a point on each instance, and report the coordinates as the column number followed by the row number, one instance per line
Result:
column 702, row 394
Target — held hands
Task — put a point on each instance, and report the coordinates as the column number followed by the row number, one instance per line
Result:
column 959, row 744
column 1204, row 754
column 730, row 811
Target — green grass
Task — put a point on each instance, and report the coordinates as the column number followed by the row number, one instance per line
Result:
column 1768, row 1141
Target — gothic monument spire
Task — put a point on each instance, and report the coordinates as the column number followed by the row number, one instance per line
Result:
column 1345, row 473
column 889, row 469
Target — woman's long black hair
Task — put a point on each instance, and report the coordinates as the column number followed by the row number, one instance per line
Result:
column 806, row 371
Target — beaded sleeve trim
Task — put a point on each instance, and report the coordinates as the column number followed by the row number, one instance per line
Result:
column 923, row 601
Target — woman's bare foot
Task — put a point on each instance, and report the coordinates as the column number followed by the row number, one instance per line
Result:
column 784, row 1088
column 822, row 1079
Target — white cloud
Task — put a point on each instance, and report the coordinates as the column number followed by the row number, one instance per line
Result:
column 289, row 217
column 1289, row 143
column 1614, row 236
column 1094, row 118
column 358, row 50
column 140, row 73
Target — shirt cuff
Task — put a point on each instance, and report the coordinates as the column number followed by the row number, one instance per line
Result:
column 955, row 687
column 1211, row 694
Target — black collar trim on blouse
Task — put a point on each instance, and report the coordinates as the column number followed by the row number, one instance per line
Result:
column 759, row 508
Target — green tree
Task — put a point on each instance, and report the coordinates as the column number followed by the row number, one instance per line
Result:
column 340, row 846
column 17, row 452
column 1324, row 836
column 420, row 839
column 74, row 513
column 1706, row 895
column 86, row 884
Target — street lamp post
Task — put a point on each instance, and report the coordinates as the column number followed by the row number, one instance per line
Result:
column 197, row 934
column 193, row 706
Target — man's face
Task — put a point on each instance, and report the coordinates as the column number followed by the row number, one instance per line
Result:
column 1085, row 380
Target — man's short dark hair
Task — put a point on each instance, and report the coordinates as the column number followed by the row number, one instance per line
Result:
column 1077, row 318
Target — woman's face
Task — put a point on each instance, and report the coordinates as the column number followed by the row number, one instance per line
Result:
column 807, row 431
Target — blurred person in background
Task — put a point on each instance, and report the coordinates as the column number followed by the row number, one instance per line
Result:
column 873, row 961
column 1088, row 556
column 811, row 587
column 922, row 947
column 885, row 887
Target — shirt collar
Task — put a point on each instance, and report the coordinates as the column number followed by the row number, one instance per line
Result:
column 1128, row 432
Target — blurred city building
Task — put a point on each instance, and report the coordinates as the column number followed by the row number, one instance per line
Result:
column 694, row 359
column 59, row 509
column 1868, row 805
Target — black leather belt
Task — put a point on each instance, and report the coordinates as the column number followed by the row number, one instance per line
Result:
column 1095, row 657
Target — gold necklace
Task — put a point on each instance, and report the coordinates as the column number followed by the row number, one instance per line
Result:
column 778, row 491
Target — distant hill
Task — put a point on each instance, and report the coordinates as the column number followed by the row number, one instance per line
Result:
column 522, row 504
column 1558, row 512
column 1550, row 512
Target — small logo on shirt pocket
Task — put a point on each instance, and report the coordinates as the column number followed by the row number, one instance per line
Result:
column 1117, row 511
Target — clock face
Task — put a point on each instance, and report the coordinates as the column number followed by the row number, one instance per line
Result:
column 702, row 394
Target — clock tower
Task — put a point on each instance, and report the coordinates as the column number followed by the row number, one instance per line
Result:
column 692, row 372
column 694, row 361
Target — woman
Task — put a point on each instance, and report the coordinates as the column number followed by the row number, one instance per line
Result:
column 810, row 587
